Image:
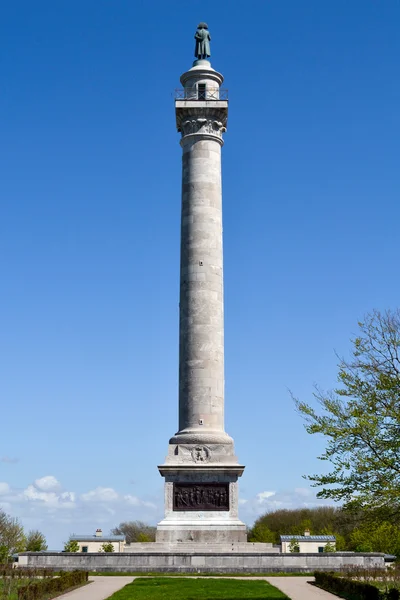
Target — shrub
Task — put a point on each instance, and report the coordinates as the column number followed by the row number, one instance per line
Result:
column 71, row 546
column 52, row 587
column 11, row 579
column 144, row 538
column 347, row 588
column 107, row 547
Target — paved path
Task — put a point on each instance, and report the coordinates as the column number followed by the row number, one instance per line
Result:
column 298, row 588
column 102, row 586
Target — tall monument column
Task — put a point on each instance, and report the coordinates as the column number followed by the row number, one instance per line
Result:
column 201, row 469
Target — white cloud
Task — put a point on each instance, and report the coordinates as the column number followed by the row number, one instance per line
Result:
column 4, row 488
column 65, row 500
column 47, row 483
column 304, row 492
column 57, row 512
column 262, row 496
column 32, row 493
column 267, row 501
column 100, row 494
column 71, row 496
column 135, row 501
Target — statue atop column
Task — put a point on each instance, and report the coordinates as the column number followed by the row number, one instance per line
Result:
column 203, row 38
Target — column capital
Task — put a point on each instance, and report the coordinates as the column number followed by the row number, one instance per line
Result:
column 207, row 120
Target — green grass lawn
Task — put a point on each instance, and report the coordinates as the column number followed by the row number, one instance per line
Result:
column 216, row 574
column 164, row 588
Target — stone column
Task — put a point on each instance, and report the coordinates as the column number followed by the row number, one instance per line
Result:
column 201, row 329
column 201, row 469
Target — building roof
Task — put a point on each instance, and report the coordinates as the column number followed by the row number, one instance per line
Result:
column 308, row 538
column 97, row 538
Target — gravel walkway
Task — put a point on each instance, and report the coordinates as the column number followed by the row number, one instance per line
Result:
column 101, row 588
column 298, row 588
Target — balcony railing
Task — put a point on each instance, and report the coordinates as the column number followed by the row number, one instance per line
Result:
column 194, row 93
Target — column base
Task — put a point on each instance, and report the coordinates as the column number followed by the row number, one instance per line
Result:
column 201, row 504
column 207, row 532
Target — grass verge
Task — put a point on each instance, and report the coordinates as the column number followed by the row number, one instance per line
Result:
column 13, row 593
column 163, row 588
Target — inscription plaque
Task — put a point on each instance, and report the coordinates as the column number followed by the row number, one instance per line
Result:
column 201, row 496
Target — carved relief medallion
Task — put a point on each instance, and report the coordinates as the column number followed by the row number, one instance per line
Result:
column 201, row 454
column 201, row 496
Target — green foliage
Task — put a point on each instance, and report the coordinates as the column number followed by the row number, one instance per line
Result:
column 356, row 531
column 175, row 588
column 261, row 533
column 133, row 529
column 107, row 547
column 376, row 537
column 52, row 587
column 341, row 544
column 12, row 537
column 361, row 421
column 71, row 546
column 11, row 579
column 347, row 588
column 35, row 541
column 329, row 547
column 294, row 546
column 322, row 520
column 144, row 537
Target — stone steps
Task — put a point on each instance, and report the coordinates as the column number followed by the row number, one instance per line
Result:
column 201, row 547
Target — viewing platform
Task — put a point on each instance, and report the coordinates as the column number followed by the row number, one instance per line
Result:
column 201, row 92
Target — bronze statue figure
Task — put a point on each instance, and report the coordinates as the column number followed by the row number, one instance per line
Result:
column 203, row 38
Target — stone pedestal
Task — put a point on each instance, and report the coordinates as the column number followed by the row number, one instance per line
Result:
column 201, row 505
column 201, row 469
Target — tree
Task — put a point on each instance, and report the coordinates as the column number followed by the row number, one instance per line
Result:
column 341, row 542
column 144, row 538
column 12, row 538
column 321, row 520
column 376, row 537
column 261, row 533
column 294, row 546
column 361, row 422
column 329, row 547
column 71, row 546
column 133, row 529
column 35, row 541
column 107, row 547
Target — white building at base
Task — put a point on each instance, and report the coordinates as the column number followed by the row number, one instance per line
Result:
column 307, row 543
column 94, row 543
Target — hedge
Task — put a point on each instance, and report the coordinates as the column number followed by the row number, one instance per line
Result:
column 352, row 590
column 48, row 588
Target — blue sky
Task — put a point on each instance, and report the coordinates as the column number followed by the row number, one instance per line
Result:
column 89, row 242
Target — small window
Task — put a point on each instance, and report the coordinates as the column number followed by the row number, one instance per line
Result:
column 320, row 548
column 85, row 548
column 201, row 91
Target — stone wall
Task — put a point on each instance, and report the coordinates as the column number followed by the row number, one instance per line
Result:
column 189, row 562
